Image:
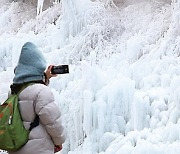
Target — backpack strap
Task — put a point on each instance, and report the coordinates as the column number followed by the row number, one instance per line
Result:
column 35, row 123
column 24, row 86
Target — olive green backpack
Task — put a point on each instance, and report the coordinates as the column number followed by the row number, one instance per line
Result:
column 13, row 134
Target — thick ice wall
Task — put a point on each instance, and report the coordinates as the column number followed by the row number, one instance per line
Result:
column 87, row 20
column 74, row 16
column 147, row 106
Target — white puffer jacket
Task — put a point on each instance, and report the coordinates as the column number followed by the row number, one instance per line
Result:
column 38, row 99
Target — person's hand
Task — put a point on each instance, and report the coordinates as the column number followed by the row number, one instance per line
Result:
column 48, row 72
column 57, row 148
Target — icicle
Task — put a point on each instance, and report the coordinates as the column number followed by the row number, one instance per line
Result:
column 40, row 6
column 87, row 122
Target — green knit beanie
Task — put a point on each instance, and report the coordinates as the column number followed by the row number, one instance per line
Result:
column 31, row 65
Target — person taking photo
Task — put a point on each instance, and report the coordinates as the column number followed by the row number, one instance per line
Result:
column 37, row 104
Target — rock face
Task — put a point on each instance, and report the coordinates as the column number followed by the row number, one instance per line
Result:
column 129, row 2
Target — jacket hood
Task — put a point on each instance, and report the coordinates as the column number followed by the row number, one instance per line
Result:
column 31, row 65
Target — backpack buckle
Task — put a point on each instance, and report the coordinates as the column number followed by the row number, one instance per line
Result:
column 10, row 120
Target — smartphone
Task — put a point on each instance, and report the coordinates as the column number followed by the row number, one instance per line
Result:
column 60, row 69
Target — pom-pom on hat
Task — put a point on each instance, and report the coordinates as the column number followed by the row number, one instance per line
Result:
column 31, row 65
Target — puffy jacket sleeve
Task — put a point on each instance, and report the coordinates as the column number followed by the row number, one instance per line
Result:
column 49, row 115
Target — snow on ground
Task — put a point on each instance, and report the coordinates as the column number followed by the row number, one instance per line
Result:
column 122, row 93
